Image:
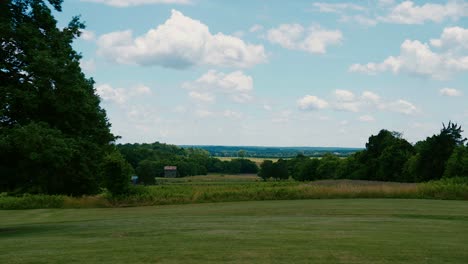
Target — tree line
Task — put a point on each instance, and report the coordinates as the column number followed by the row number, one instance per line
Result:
column 149, row 161
column 387, row 157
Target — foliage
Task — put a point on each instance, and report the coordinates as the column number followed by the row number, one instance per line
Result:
column 116, row 173
column 457, row 164
column 148, row 170
column 47, row 105
column 150, row 159
column 434, row 152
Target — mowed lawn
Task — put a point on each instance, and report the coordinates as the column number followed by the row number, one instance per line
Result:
column 300, row 231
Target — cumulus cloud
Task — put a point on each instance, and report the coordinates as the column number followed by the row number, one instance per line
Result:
column 366, row 118
column 344, row 95
column 417, row 58
column 179, row 43
column 255, row 28
column 344, row 100
column 87, row 35
column 337, row 7
column 408, row 12
column 202, row 97
column 403, row 107
column 121, row 95
column 295, row 37
column 127, row 3
column 452, row 38
column 88, row 66
column 311, row 102
column 359, row 19
column 450, row 92
column 236, row 85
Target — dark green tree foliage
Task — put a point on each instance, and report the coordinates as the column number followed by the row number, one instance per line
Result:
column 116, row 173
column 43, row 91
column 307, row 170
column 328, row 167
column 384, row 157
column 434, row 152
column 457, row 164
column 280, row 170
column 148, row 170
column 266, row 170
column 190, row 161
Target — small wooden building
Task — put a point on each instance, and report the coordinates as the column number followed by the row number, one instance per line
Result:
column 170, row 171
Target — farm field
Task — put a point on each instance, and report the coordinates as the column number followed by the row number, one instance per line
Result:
column 301, row 231
column 258, row 161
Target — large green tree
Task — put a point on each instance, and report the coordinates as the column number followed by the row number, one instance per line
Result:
column 46, row 100
column 435, row 151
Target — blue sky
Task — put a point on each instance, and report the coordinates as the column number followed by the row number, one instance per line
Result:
column 276, row 73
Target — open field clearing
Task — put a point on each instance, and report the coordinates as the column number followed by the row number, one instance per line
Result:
column 231, row 188
column 258, row 161
column 301, row 231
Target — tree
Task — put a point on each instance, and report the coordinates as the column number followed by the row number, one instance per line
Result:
column 116, row 173
column 328, row 167
column 383, row 159
column 307, row 169
column 434, row 152
column 266, row 169
column 42, row 89
column 457, row 164
column 280, row 170
column 148, row 170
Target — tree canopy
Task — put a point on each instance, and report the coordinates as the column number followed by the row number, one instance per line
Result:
column 47, row 102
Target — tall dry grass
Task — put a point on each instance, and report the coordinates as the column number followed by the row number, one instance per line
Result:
column 252, row 191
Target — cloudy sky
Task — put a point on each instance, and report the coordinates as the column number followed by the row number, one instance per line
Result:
column 274, row 72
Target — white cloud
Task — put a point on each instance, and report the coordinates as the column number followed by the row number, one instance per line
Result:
column 337, row 7
column 366, row 118
column 179, row 43
column 202, row 97
column 88, row 66
column 255, row 28
column 126, row 3
column 450, row 92
column 204, row 113
column 232, row 114
column 236, row 85
column 310, row 102
column 344, row 100
column 87, row 35
column 108, row 93
column 416, row 58
column 370, row 97
column 452, row 38
column 344, row 95
column 140, row 90
column 403, row 107
column 121, row 95
column 385, row 3
column 359, row 19
column 296, row 37
column 409, row 13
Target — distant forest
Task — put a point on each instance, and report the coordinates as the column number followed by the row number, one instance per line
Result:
column 274, row 152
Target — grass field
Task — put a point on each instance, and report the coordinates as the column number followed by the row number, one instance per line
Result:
column 302, row 231
column 258, row 161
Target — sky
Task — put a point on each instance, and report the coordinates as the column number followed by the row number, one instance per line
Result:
column 274, row 72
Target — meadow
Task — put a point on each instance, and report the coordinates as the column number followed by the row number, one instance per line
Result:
column 230, row 188
column 300, row 231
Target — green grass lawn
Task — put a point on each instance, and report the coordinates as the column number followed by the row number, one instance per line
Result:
column 300, row 231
